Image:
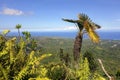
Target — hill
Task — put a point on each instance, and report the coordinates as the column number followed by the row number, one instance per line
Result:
column 107, row 50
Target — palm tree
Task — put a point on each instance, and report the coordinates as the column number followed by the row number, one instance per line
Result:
column 18, row 26
column 85, row 25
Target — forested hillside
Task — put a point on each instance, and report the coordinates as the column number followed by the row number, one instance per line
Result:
column 107, row 50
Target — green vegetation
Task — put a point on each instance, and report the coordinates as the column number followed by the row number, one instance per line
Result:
column 25, row 60
column 106, row 51
column 16, row 62
column 18, row 26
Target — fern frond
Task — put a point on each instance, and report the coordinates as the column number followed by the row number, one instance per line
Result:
column 83, row 71
column 27, row 66
column 4, row 72
column 21, row 54
column 10, row 44
column 3, row 52
column 22, row 73
column 31, row 55
column 96, row 76
column 44, row 56
column 40, row 78
column 5, row 32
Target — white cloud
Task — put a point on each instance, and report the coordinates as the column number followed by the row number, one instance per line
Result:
column 110, row 29
column 70, row 28
column 53, row 29
column 9, row 11
column 47, row 29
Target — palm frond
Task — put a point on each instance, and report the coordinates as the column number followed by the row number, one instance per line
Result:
column 18, row 26
column 83, row 17
column 69, row 20
column 92, row 34
column 95, row 26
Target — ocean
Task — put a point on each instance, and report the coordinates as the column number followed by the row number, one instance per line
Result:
column 103, row 35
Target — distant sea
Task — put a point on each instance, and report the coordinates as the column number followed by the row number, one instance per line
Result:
column 103, row 35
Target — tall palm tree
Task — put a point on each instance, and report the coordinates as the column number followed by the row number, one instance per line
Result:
column 85, row 25
column 18, row 26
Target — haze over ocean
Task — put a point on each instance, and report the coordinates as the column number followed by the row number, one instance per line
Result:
column 103, row 34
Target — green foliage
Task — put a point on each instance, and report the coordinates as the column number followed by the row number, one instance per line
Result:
column 65, row 58
column 21, row 60
column 79, row 71
column 18, row 26
column 56, row 72
column 118, row 74
column 5, row 32
column 39, row 78
column 110, row 55
column 27, row 35
column 16, row 63
column 96, row 76
column 92, row 63
column 82, row 71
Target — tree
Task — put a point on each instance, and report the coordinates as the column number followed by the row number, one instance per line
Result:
column 85, row 25
column 18, row 26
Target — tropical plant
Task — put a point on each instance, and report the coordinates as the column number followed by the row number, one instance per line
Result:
column 92, row 63
column 83, row 71
column 17, row 63
column 56, row 71
column 18, row 26
column 85, row 25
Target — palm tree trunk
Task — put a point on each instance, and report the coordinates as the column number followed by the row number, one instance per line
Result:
column 77, row 46
column 19, row 33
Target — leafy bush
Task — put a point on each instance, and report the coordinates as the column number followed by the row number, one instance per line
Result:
column 16, row 63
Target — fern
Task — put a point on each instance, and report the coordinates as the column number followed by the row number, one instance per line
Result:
column 96, row 76
column 5, row 32
column 83, row 72
column 16, row 63
column 4, row 52
column 4, row 72
column 29, row 67
column 40, row 78
column 21, row 75
column 10, row 44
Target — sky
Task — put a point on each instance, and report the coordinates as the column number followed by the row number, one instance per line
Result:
column 46, row 15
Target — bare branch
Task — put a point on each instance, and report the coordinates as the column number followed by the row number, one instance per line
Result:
column 110, row 78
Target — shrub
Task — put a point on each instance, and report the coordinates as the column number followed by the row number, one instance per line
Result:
column 16, row 63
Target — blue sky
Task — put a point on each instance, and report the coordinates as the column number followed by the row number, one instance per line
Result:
column 46, row 15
